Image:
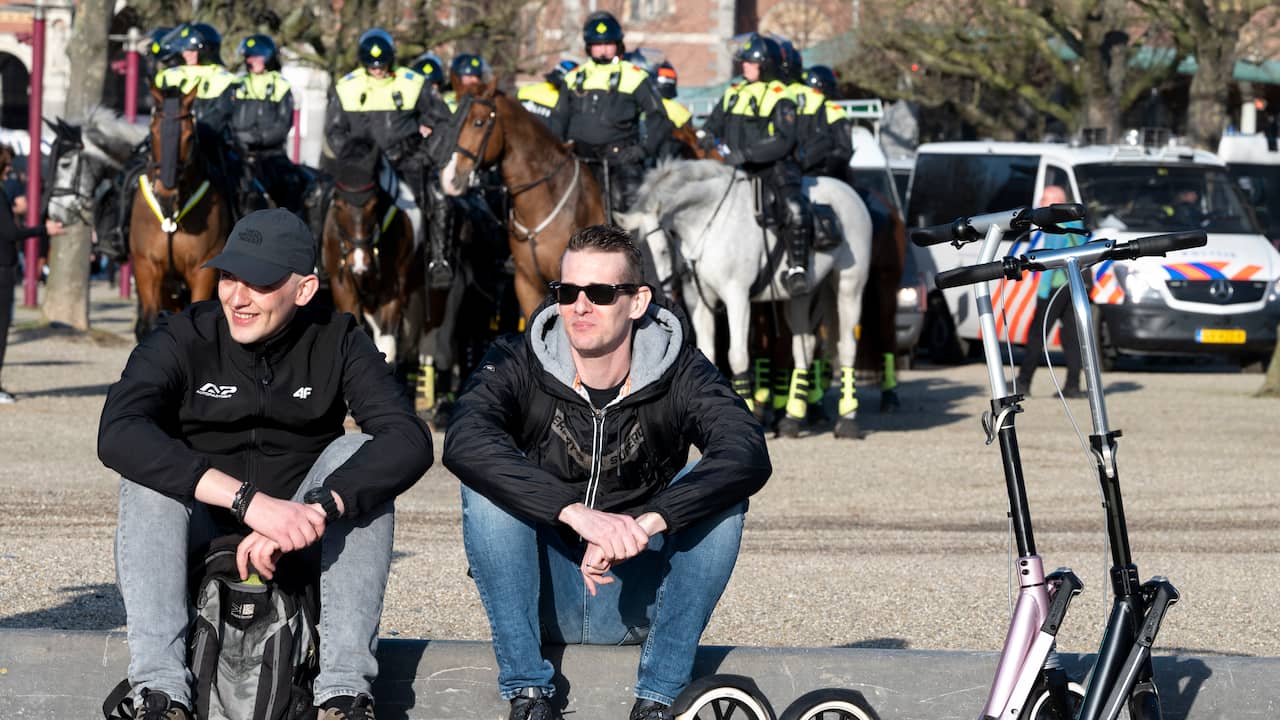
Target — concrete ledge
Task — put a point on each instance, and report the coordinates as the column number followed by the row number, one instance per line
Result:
column 57, row 675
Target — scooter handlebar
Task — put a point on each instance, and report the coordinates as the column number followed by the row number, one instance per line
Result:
column 1161, row 244
column 968, row 275
column 938, row 234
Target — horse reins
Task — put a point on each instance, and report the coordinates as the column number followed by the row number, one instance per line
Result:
column 169, row 224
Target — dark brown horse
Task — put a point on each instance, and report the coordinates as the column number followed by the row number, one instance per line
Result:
column 375, row 271
column 691, row 147
column 180, row 218
column 552, row 194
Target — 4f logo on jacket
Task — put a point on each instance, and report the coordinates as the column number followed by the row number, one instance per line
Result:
column 221, row 392
column 303, row 392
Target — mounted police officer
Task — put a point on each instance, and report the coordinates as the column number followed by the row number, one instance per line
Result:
column 432, row 69
column 824, row 143
column 755, row 123
column 600, row 112
column 392, row 106
column 262, row 119
column 541, row 98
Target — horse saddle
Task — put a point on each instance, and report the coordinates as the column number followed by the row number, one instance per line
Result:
column 389, row 181
column 827, row 232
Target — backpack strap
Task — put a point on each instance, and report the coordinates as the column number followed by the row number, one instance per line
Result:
column 119, row 702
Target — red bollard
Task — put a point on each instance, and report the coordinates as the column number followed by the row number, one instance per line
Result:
column 31, row 276
column 130, row 114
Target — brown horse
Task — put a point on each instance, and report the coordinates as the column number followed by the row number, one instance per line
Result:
column 552, row 194
column 180, row 218
column 375, row 271
column 691, row 146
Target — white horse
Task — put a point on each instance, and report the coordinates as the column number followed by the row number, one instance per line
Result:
column 700, row 215
column 82, row 156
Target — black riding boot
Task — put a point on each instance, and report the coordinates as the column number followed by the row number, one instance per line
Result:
column 797, row 233
column 439, row 269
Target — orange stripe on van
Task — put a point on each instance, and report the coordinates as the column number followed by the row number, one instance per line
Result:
column 1248, row 272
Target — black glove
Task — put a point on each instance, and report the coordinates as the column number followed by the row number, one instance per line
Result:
column 629, row 155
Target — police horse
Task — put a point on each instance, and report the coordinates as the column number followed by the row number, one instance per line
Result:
column 552, row 194
column 179, row 219
column 697, row 219
column 375, row 270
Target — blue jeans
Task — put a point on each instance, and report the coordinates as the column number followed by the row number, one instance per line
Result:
column 152, row 541
column 533, row 592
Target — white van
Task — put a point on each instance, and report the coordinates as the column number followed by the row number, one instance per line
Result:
column 1221, row 298
column 1254, row 162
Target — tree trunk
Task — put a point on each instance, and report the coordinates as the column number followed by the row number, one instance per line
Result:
column 67, row 298
column 1206, row 111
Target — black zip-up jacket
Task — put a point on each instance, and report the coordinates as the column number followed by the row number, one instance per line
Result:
column 191, row 398
column 11, row 232
column 601, row 457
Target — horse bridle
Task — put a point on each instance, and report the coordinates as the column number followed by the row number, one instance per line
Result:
column 60, row 145
column 477, row 157
column 348, row 244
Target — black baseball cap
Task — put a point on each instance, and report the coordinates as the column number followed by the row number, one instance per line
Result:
column 267, row 245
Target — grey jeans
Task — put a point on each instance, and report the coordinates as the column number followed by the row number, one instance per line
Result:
column 152, row 541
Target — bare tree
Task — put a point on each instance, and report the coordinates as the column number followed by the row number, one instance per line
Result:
column 67, row 298
column 1211, row 31
column 1004, row 66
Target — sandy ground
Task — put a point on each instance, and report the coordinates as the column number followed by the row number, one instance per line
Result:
column 897, row 540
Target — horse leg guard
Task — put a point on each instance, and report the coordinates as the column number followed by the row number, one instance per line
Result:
column 847, row 425
column 781, row 384
column 819, row 382
column 762, row 393
column 742, row 386
column 889, row 402
column 426, row 387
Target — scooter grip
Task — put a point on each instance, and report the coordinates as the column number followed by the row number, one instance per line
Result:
column 1057, row 213
column 1171, row 242
column 936, row 234
column 971, row 274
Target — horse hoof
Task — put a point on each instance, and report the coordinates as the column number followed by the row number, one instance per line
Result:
column 789, row 427
column 847, row 428
column 889, row 402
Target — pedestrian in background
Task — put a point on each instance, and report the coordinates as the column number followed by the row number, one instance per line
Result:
column 10, row 234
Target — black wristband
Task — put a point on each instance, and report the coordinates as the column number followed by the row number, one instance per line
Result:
column 240, row 503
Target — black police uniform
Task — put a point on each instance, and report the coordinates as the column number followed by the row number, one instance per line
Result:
column 599, row 109
column 757, row 123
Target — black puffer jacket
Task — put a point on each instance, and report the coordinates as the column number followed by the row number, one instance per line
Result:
column 191, row 398
column 601, row 457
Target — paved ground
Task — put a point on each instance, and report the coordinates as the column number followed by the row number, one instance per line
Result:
column 897, row 541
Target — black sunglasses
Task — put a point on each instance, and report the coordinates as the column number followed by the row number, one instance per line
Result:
column 597, row 293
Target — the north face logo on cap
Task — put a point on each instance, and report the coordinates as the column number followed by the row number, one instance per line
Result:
column 253, row 237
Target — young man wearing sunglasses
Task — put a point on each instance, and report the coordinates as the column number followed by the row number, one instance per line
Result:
column 578, row 523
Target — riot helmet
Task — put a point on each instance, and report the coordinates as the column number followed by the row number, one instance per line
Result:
column 824, row 79
column 431, row 67
column 377, row 49
column 666, row 78
column 764, row 52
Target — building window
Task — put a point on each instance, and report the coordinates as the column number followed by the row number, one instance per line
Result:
column 642, row 10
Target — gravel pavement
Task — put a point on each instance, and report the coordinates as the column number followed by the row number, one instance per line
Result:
column 899, row 540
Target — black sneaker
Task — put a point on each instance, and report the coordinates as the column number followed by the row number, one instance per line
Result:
column 157, row 706
column 347, row 707
column 530, row 704
column 650, row 710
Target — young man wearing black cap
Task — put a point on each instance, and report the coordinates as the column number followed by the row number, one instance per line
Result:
column 230, row 416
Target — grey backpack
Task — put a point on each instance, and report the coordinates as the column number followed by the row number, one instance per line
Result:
column 253, row 646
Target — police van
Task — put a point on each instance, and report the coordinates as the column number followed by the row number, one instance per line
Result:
column 1222, row 298
column 1254, row 161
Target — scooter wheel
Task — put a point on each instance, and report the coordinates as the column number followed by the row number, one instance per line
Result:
column 715, row 697
column 830, row 704
column 1041, row 709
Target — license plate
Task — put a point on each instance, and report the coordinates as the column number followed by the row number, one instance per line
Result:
column 1220, row 336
